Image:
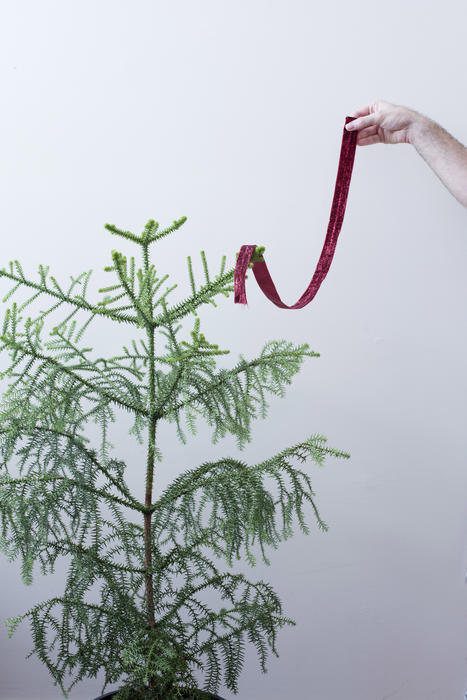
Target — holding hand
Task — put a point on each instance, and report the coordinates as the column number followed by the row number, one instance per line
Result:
column 383, row 122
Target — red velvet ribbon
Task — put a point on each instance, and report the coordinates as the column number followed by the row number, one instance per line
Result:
column 260, row 270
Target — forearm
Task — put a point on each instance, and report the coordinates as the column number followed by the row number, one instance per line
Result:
column 446, row 156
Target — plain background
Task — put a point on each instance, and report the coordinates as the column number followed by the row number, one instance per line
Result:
column 232, row 114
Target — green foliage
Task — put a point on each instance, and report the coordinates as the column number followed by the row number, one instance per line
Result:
column 68, row 499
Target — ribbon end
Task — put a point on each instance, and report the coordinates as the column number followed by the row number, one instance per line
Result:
column 240, row 296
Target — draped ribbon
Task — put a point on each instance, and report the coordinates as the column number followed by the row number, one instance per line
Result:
column 260, row 270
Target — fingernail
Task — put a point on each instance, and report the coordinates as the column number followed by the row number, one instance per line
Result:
column 349, row 126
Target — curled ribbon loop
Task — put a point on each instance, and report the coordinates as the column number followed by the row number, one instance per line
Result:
column 260, row 270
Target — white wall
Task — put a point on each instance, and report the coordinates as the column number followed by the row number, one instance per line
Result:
column 232, row 114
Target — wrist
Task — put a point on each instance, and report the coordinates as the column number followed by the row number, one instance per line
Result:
column 418, row 128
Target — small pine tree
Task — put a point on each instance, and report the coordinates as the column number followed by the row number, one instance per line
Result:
column 148, row 628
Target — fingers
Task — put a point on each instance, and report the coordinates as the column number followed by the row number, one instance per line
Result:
column 368, row 136
column 368, row 141
column 369, row 131
column 362, row 122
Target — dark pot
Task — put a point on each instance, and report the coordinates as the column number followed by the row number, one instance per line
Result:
column 107, row 696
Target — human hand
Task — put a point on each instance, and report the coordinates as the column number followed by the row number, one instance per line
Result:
column 383, row 122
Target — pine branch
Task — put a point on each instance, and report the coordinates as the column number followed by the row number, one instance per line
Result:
column 90, row 557
column 230, row 399
column 204, row 295
column 52, row 363
column 93, row 628
column 78, row 301
column 152, row 234
column 29, row 480
column 241, row 508
column 257, row 618
column 243, row 366
column 149, row 234
column 90, row 454
column 119, row 262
